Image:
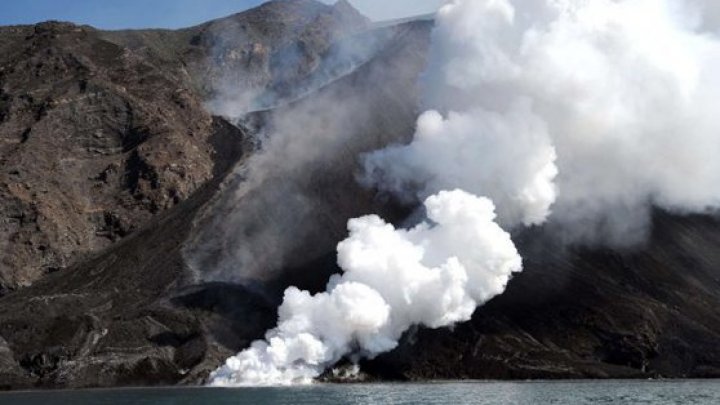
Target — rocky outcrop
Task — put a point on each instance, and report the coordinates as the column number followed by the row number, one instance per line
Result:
column 96, row 140
column 236, row 59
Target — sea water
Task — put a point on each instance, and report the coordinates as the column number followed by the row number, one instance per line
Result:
column 521, row 393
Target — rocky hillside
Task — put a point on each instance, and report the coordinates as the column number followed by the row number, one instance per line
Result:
column 582, row 313
column 96, row 140
column 124, row 203
column 102, row 130
column 131, row 311
column 243, row 57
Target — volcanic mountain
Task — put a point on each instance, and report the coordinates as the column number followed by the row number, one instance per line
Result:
column 127, row 215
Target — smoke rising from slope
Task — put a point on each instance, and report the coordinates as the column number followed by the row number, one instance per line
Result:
column 287, row 204
column 518, row 174
column 255, row 87
column 435, row 274
column 270, row 206
column 583, row 112
column 623, row 91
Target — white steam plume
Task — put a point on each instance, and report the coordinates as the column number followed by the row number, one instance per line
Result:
column 507, row 156
column 596, row 109
column 435, row 275
column 621, row 94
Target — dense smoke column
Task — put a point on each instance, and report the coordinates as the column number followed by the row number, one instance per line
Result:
column 586, row 113
column 593, row 110
column 434, row 275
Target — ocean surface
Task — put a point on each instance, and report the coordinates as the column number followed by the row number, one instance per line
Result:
column 520, row 393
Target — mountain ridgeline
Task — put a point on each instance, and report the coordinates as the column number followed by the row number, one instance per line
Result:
column 160, row 188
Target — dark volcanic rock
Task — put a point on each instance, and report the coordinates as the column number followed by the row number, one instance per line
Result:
column 134, row 313
column 95, row 141
column 580, row 313
column 239, row 57
column 127, row 317
column 131, row 315
column 303, row 189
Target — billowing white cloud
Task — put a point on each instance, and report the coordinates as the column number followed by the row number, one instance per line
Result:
column 435, row 275
column 584, row 112
column 619, row 95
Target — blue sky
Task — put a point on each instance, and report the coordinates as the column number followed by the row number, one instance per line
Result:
column 117, row 14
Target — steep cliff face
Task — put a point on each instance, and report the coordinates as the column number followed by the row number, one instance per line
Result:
column 125, row 204
column 95, row 141
column 103, row 130
column 238, row 59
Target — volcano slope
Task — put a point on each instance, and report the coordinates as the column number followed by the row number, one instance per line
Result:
column 587, row 313
column 95, row 141
column 134, row 312
column 115, row 277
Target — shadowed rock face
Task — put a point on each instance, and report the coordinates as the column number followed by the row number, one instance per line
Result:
column 582, row 313
column 116, row 183
column 95, row 141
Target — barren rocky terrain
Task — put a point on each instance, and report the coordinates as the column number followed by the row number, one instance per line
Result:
column 115, row 176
